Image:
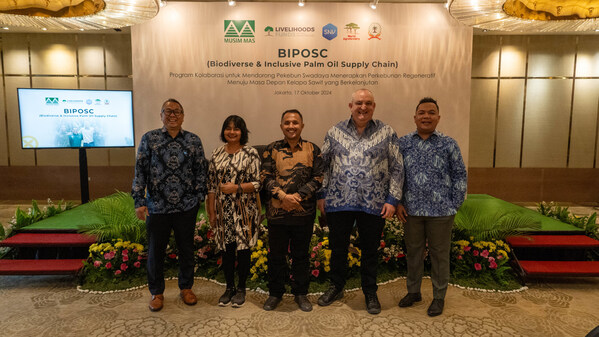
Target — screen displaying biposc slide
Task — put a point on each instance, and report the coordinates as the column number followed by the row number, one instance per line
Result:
column 60, row 118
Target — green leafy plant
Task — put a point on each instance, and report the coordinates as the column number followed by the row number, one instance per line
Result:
column 475, row 222
column 120, row 221
column 33, row 215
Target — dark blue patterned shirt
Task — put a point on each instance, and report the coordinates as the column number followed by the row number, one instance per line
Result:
column 170, row 173
column 362, row 171
column 436, row 178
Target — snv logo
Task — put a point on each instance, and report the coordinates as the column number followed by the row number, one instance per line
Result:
column 329, row 31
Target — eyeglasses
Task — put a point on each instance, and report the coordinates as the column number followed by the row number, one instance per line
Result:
column 176, row 113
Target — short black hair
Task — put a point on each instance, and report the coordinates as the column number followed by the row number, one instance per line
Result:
column 173, row 101
column 428, row 100
column 239, row 123
column 292, row 111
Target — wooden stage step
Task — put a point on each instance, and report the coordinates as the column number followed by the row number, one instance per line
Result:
column 560, row 268
column 40, row 267
column 552, row 241
column 48, row 240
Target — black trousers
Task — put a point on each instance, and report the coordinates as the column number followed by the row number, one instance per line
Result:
column 243, row 258
column 295, row 241
column 158, row 227
column 370, row 228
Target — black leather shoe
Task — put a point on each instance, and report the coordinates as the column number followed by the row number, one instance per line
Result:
column 410, row 299
column 330, row 296
column 225, row 299
column 303, row 303
column 372, row 304
column 271, row 303
column 436, row 308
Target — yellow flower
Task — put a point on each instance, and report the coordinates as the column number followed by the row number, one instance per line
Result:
column 327, row 269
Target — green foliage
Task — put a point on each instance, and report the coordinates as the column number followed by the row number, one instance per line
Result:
column 33, row 215
column 472, row 221
column 120, row 221
column 2, row 232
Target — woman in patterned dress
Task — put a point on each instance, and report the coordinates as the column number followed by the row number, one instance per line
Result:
column 233, row 205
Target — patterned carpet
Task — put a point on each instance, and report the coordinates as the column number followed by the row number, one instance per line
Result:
column 52, row 306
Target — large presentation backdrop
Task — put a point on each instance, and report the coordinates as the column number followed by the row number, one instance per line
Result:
column 258, row 59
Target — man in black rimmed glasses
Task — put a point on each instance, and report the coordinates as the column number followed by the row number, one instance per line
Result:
column 169, row 185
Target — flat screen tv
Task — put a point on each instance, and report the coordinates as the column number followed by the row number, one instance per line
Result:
column 60, row 118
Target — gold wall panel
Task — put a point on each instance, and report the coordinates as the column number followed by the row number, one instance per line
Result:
column 485, row 56
column 550, row 56
column 53, row 54
column 509, row 123
column 584, row 123
column 482, row 122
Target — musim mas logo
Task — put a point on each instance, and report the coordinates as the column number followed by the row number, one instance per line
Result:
column 374, row 31
column 329, row 31
column 51, row 100
column 239, row 31
column 351, row 32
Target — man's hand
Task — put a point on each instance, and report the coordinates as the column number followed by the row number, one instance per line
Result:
column 141, row 213
column 320, row 203
column 401, row 213
column 228, row 188
column 292, row 202
column 388, row 211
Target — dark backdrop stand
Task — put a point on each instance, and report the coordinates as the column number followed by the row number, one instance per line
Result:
column 83, row 178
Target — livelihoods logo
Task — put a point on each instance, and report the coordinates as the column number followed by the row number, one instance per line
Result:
column 240, row 31
column 374, row 31
column 51, row 100
column 329, row 31
column 351, row 32
column 289, row 31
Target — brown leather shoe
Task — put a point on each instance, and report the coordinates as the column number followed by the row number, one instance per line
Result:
column 156, row 302
column 188, row 297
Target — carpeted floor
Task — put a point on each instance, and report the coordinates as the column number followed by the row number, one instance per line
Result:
column 51, row 306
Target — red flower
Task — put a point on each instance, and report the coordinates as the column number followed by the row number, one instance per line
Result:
column 459, row 257
column 475, row 252
column 493, row 265
column 484, row 253
column 313, row 255
column 125, row 252
column 387, row 259
column 467, row 248
column 125, row 258
column 137, row 264
column 108, row 265
column 139, row 257
column 172, row 255
column 477, row 266
column 117, row 272
column 316, row 264
column 219, row 261
column 382, row 244
column 315, row 272
column 209, row 235
column 97, row 263
column 124, row 266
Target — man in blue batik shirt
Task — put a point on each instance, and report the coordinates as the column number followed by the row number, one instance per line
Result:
column 434, row 190
column 362, row 185
column 169, row 185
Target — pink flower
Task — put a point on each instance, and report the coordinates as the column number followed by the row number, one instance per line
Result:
column 477, row 266
column 493, row 265
column 467, row 248
column 125, row 252
column 315, row 249
column 137, row 264
column 125, row 258
column 117, row 272
column 97, row 263
column 108, row 265
column 313, row 255
column 499, row 257
column 316, row 264
column 491, row 259
column 459, row 257
column 139, row 258
column 484, row 253
column 475, row 252
column 198, row 238
column 315, row 272
column 135, row 250
column 319, row 244
column 124, row 266
column 108, row 255
column 382, row 244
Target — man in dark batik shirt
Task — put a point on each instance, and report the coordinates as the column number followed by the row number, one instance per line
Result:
column 292, row 172
column 169, row 185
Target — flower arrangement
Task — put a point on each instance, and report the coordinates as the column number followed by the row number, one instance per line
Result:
column 114, row 260
column 392, row 247
column 259, row 261
column 480, row 259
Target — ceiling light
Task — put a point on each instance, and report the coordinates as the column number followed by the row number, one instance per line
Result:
column 374, row 3
column 301, row 3
column 162, row 3
column 111, row 14
column 231, row 2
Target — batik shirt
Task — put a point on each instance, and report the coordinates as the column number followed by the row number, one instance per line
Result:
column 436, row 178
column 170, row 173
column 288, row 171
column 363, row 171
